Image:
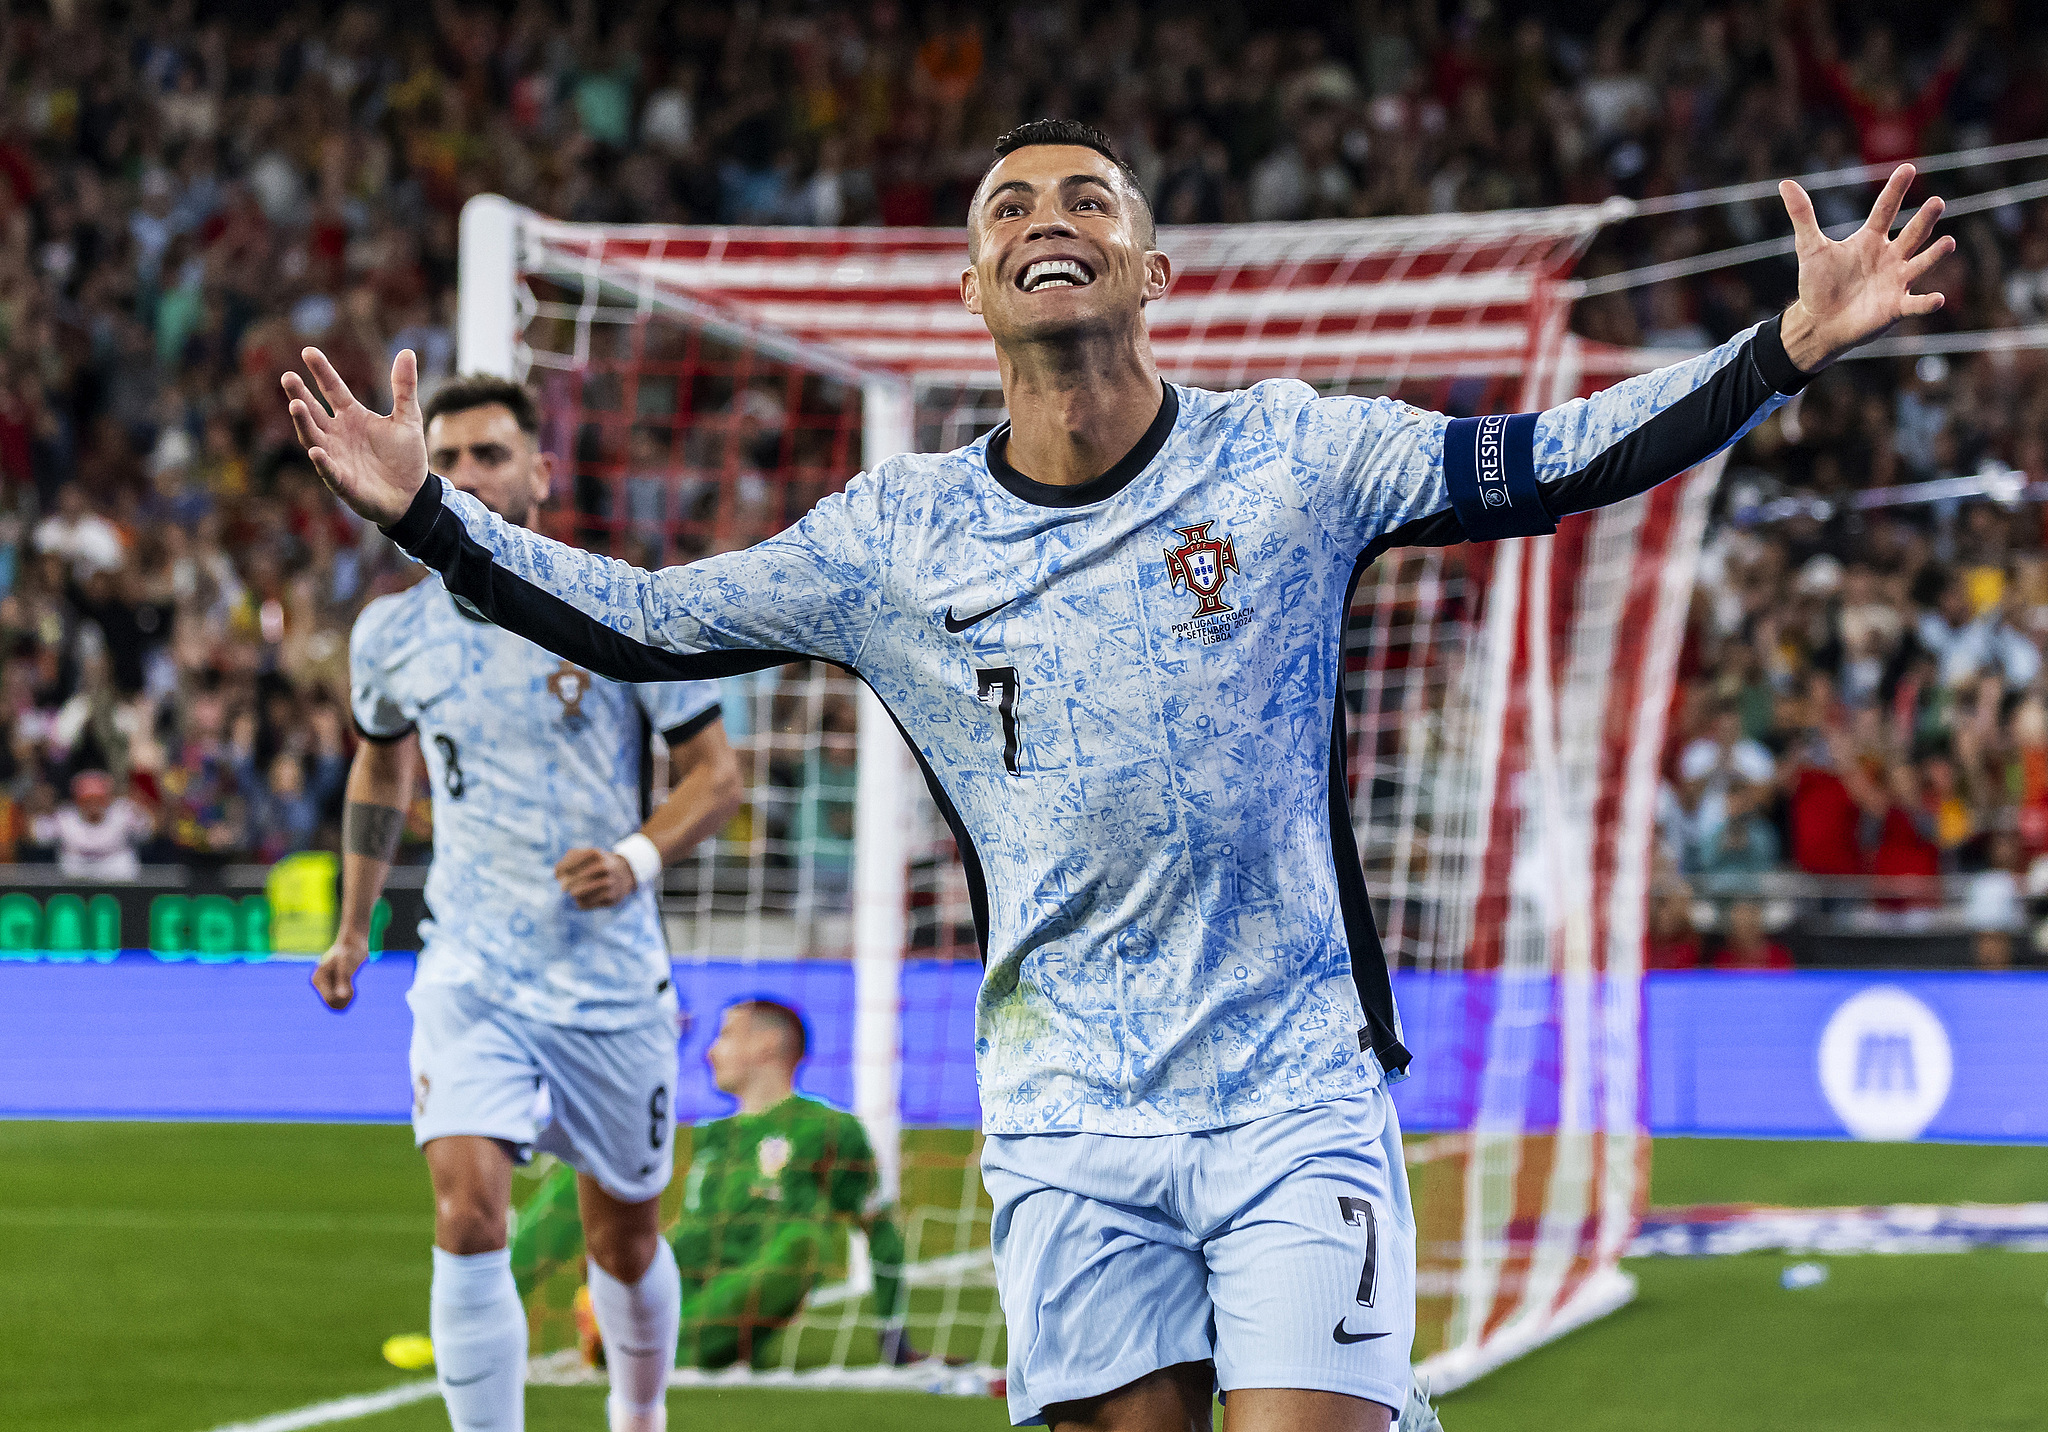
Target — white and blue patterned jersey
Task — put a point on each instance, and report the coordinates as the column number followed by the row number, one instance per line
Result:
column 528, row 756
column 1126, row 699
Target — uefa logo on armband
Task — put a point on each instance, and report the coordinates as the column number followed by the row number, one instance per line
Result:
column 1885, row 1064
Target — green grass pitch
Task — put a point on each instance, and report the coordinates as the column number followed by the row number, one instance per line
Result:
column 175, row 1277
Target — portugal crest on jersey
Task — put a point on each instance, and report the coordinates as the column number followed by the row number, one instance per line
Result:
column 568, row 684
column 1203, row 564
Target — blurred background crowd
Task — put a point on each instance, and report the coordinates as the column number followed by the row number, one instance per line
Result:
column 189, row 193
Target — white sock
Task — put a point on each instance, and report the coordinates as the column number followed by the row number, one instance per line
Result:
column 479, row 1332
column 638, row 1322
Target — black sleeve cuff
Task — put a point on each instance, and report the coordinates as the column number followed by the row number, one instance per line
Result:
column 376, row 739
column 1767, row 349
column 676, row 735
column 411, row 530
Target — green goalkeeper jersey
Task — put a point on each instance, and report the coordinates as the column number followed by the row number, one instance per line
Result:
column 767, row 1206
column 801, row 1161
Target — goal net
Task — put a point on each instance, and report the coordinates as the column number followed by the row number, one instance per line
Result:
column 1505, row 708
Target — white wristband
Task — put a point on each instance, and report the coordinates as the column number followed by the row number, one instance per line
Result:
column 643, row 858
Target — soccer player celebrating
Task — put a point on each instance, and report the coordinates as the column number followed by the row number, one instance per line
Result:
column 769, row 1194
column 1112, row 629
column 544, row 971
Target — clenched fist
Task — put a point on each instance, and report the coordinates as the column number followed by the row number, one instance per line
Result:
column 334, row 978
column 595, row 879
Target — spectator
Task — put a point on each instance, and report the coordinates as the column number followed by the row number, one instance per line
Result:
column 288, row 800
column 1890, row 126
column 1995, row 906
column 1744, row 843
column 208, row 811
column 1899, row 832
column 1673, row 944
column 97, row 833
column 1745, row 945
column 1722, row 761
column 86, row 541
column 1991, row 950
column 1964, row 642
column 1823, row 812
column 286, row 812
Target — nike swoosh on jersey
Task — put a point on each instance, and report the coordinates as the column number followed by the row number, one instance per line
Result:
column 1347, row 1338
column 960, row 624
column 466, row 1381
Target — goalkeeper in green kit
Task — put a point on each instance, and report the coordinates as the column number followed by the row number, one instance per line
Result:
column 767, row 1205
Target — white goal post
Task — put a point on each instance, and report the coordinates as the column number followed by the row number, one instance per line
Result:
column 487, row 334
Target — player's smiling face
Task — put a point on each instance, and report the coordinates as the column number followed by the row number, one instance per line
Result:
column 484, row 451
column 1060, row 244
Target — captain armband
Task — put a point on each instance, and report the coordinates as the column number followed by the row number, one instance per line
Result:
column 1490, row 470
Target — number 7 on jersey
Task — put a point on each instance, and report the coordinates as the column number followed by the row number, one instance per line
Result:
column 997, row 686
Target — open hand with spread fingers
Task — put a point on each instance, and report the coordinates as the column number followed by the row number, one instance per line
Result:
column 1853, row 290
column 374, row 463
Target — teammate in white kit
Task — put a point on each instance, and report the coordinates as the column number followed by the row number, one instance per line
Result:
column 1112, row 630
column 543, row 1016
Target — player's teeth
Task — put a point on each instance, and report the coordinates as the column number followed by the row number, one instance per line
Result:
column 1065, row 274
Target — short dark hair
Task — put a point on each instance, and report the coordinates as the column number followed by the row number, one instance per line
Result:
column 1062, row 131
column 1069, row 131
column 775, row 1012
column 480, row 390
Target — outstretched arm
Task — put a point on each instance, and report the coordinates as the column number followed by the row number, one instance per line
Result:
column 807, row 592
column 1408, row 477
column 1850, row 292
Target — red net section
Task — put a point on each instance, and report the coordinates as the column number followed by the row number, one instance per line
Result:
column 672, row 442
column 1342, row 302
column 674, row 438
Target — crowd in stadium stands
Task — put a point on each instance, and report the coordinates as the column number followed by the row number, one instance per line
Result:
column 188, row 196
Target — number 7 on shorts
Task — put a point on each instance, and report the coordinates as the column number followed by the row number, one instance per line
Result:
column 1355, row 1211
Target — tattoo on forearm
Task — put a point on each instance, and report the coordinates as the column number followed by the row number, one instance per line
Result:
column 371, row 830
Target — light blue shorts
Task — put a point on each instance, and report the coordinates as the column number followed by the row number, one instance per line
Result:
column 1282, row 1249
column 602, row 1101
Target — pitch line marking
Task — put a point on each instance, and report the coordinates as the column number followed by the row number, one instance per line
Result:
column 225, row 1220
column 340, row 1409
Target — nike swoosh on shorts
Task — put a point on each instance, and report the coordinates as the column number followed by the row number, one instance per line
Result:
column 1347, row 1338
